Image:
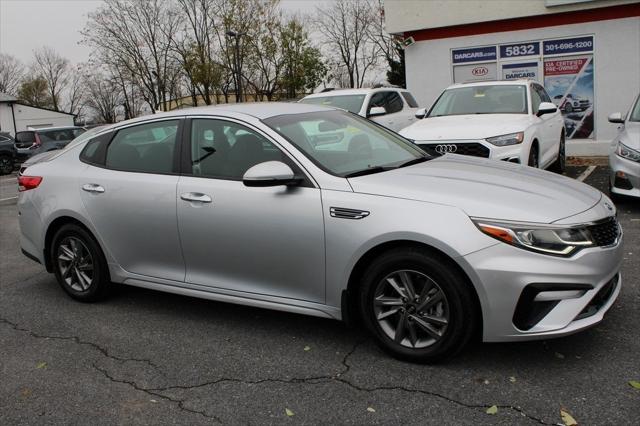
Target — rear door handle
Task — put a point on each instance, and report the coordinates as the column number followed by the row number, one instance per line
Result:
column 93, row 187
column 196, row 197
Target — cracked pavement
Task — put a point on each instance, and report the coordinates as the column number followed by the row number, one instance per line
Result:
column 152, row 358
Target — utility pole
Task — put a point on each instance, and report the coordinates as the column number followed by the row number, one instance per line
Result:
column 236, row 55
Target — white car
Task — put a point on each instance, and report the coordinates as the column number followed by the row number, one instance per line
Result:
column 391, row 107
column 624, row 159
column 504, row 120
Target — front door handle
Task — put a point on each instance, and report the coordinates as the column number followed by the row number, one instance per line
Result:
column 93, row 187
column 197, row 197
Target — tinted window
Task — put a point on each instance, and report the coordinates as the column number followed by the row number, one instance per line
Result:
column 542, row 93
column 635, row 112
column 351, row 103
column 145, row 148
column 410, row 99
column 535, row 100
column 224, row 149
column 25, row 137
column 59, row 134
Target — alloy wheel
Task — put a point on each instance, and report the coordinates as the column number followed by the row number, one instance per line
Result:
column 411, row 309
column 75, row 264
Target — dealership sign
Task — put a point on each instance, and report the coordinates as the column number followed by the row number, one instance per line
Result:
column 476, row 54
column 475, row 72
column 520, row 70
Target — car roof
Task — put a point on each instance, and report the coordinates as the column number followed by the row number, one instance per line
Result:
column 259, row 110
column 346, row 92
column 521, row 82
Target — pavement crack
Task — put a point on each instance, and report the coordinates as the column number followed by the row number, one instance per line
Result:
column 180, row 402
column 79, row 341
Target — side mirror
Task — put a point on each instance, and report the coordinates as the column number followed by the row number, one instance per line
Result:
column 270, row 173
column 546, row 108
column 616, row 117
column 421, row 113
column 376, row 111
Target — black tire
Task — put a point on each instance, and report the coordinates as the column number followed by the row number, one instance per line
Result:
column 460, row 310
column 99, row 282
column 559, row 166
column 533, row 160
column 6, row 164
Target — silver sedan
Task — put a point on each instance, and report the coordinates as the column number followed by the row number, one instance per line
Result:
column 317, row 211
column 624, row 158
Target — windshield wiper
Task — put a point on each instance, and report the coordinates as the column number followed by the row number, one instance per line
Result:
column 414, row 161
column 369, row 171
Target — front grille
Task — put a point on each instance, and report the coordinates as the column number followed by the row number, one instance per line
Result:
column 600, row 299
column 473, row 148
column 605, row 233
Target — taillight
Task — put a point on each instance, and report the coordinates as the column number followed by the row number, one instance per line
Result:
column 26, row 183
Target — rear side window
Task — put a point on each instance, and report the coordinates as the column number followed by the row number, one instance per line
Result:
column 59, row 135
column 410, row 99
column 148, row 148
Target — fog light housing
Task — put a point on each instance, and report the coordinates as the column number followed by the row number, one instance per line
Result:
column 622, row 181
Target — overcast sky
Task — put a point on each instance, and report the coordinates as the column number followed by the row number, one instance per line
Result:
column 26, row 25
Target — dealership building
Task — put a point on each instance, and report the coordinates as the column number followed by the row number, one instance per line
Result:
column 585, row 52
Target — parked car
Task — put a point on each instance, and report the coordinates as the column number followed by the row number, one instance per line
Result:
column 571, row 103
column 233, row 203
column 47, row 155
column 624, row 158
column 392, row 107
column 34, row 141
column 504, row 120
column 7, row 154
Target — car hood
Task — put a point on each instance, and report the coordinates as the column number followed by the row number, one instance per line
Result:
column 478, row 126
column 484, row 188
column 631, row 135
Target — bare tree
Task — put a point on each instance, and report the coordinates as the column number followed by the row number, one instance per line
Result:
column 11, row 74
column 75, row 92
column 346, row 26
column 54, row 69
column 103, row 97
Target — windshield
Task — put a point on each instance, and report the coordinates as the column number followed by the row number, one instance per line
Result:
column 351, row 103
column 635, row 112
column 345, row 144
column 494, row 99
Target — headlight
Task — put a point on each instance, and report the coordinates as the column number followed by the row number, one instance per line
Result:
column 625, row 152
column 556, row 241
column 504, row 140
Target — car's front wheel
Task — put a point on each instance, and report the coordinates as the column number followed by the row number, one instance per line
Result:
column 79, row 264
column 6, row 164
column 559, row 165
column 533, row 157
column 417, row 305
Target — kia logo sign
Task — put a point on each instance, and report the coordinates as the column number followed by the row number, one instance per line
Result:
column 480, row 71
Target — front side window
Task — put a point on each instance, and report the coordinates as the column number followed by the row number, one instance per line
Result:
column 536, row 100
column 635, row 112
column 345, row 144
column 351, row 103
column 485, row 99
column 146, row 148
column 226, row 150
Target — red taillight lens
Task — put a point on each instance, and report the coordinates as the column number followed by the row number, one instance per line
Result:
column 26, row 183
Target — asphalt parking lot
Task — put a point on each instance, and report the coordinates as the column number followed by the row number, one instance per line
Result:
column 152, row 358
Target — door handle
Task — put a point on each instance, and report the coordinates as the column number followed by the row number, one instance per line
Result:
column 197, row 197
column 93, row 187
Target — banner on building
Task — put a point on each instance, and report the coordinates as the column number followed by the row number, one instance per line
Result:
column 520, row 70
column 478, row 72
column 569, row 82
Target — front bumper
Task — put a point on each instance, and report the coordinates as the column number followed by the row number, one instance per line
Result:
column 501, row 273
column 629, row 183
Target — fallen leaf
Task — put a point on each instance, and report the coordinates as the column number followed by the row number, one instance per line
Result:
column 26, row 392
column 288, row 412
column 371, row 409
column 512, row 379
column 567, row 418
column 559, row 355
column 41, row 365
column 492, row 410
column 634, row 384
column 307, row 348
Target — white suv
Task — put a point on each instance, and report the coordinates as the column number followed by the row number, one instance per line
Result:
column 505, row 120
column 391, row 107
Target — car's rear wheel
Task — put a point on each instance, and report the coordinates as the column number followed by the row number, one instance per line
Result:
column 6, row 164
column 559, row 165
column 533, row 157
column 79, row 264
column 417, row 305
